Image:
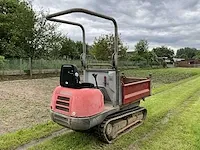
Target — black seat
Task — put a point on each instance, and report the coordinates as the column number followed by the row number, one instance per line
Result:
column 69, row 77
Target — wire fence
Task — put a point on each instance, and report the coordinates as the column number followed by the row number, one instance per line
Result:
column 24, row 66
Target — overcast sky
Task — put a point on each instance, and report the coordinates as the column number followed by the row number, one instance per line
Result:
column 172, row 23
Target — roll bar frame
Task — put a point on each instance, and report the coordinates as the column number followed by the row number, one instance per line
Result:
column 83, row 32
column 81, row 10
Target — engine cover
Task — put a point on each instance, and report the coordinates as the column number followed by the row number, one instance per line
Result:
column 83, row 102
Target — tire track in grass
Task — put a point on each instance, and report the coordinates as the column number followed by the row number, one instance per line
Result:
column 164, row 122
column 158, row 107
column 182, row 131
column 40, row 140
column 15, row 139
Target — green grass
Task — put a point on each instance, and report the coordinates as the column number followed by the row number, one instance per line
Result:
column 158, row 107
column 181, row 132
column 15, row 139
column 167, row 96
column 164, row 87
column 164, row 76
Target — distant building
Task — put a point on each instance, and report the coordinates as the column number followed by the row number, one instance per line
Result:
column 178, row 59
column 188, row 63
column 166, row 59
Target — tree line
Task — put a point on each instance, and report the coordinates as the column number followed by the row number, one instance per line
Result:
column 25, row 33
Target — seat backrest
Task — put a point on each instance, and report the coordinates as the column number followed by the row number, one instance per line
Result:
column 69, row 76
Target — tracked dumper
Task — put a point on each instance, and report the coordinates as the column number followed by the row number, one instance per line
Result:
column 106, row 100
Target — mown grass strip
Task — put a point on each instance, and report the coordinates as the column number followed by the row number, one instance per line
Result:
column 165, row 87
column 181, row 132
column 164, row 76
column 15, row 139
column 157, row 106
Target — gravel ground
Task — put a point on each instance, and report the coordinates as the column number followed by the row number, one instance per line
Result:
column 24, row 103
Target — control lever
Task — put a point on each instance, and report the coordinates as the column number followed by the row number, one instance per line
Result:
column 95, row 78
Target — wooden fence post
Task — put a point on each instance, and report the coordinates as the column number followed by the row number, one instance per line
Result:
column 40, row 67
column 30, row 68
column 3, row 68
column 20, row 65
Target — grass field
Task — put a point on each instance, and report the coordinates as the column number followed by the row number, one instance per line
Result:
column 172, row 122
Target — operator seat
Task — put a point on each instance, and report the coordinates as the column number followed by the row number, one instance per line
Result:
column 69, row 77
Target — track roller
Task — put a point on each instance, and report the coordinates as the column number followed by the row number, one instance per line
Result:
column 120, row 123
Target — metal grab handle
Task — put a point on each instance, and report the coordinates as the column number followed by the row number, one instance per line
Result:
column 92, row 64
column 69, row 11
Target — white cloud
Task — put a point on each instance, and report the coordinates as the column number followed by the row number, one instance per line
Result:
column 172, row 23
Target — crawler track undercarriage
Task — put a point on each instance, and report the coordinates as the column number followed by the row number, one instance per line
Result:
column 120, row 123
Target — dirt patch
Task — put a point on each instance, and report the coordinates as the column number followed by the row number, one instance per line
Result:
column 24, row 103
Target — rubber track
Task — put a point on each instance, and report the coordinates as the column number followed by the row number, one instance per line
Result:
column 100, row 129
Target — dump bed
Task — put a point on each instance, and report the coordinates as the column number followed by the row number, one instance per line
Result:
column 134, row 89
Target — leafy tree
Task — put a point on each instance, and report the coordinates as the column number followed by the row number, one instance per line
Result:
column 71, row 49
column 68, row 48
column 164, row 52
column 136, row 57
column 152, row 58
column 79, row 49
column 187, row 53
column 25, row 33
column 197, row 55
column 143, row 54
column 142, row 47
column 44, row 39
column 103, row 47
column 2, row 60
column 16, row 27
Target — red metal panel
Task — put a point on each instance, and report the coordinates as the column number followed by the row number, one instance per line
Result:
column 136, row 91
column 82, row 102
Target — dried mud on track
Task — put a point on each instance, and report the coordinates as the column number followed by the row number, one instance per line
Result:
column 24, row 103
